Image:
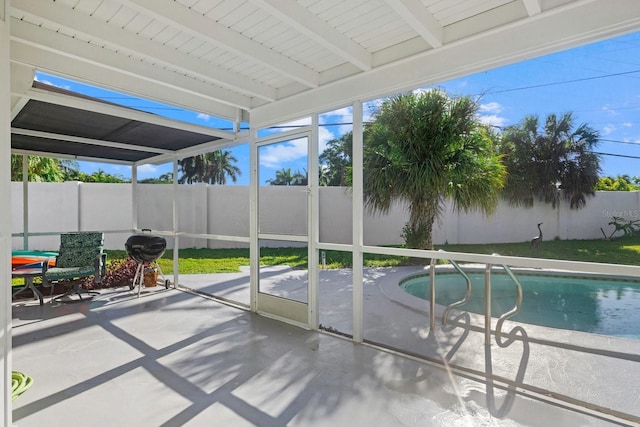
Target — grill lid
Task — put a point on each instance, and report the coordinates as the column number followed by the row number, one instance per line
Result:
column 145, row 247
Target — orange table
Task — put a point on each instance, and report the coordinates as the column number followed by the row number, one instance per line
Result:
column 27, row 259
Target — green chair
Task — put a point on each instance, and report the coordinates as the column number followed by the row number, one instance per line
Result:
column 80, row 256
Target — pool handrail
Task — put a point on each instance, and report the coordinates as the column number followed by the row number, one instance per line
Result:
column 432, row 292
column 466, row 297
column 515, row 308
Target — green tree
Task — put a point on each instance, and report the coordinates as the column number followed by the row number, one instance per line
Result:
column 213, row 168
column 424, row 148
column 97, row 176
column 542, row 160
column 40, row 169
column 620, row 183
column 285, row 176
column 192, row 169
column 335, row 161
column 218, row 166
column 46, row 169
column 165, row 178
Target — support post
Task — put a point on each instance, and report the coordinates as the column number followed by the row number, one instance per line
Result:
column 134, row 196
column 25, row 202
column 254, row 247
column 487, row 306
column 313, row 227
column 358, row 217
column 176, row 238
column 5, row 216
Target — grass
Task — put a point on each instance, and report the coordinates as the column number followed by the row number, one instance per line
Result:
column 624, row 250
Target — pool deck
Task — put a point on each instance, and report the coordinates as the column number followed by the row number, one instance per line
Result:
column 176, row 358
column 597, row 371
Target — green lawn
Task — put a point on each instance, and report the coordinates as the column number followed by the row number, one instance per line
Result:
column 624, row 250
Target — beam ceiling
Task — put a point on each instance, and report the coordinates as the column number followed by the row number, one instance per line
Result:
column 269, row 61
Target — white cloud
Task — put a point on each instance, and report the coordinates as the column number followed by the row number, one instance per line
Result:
column 608, row 129
column 147, row 169
column 47, row 82
column 491, row 107
column 488, row 114
column 607, row 108
column 342, row 115
column 273, row 156
column 298, row 123
column 202, row 116
column 324, row 136
column 627, row 124
column 492, row 120
column 425, row 89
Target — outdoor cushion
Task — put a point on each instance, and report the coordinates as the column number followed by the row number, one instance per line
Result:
column 80, row 256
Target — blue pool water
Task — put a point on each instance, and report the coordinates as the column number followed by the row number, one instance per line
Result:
column 606, row 307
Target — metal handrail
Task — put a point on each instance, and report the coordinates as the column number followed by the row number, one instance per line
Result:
column 432, row 292
column 466, row 297
column 515, row 308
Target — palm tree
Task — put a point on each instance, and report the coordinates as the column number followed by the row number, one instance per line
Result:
column 424, row 148
column 542, row 161
column 284, row 176
column 212, row 168
column 192, row 169
column 218, row 166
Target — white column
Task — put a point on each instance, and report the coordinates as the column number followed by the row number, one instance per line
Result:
column 254, row 248
column 176, row 222
column 357, row 237
column 25, row 202
column 5, row 217
column 134, row 196
column 313, row 232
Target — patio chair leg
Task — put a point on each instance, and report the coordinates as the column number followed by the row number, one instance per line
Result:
column 76, row 288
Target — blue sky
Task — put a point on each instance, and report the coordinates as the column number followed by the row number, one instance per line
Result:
column 598, row 83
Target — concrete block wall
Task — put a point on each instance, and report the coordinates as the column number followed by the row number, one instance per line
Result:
column 224, row 210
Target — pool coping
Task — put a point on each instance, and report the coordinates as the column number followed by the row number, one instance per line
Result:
column 625, row 348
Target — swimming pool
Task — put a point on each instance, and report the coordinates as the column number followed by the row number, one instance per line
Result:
column 600, row 306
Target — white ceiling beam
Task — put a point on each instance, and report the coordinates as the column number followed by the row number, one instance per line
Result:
column 96, row 29
column 18, row 106
column 199, row 26
column 420, row 19
column 122, row 112
column 98, row 75
column 299, row 18
column 81, row 140
column 21, row 81
column 21, row 78
column 112, row 61
column 533, row 6
column 205, row 147
column 70, row 157
column 544, row 33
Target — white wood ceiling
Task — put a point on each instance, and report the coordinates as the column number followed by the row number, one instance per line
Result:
column 273, row 60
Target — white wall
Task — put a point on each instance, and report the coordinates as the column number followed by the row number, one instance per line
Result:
column 224, row 210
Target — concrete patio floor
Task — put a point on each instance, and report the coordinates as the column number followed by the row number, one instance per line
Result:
column 173, row 358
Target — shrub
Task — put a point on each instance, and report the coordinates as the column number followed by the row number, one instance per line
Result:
column 120, row 272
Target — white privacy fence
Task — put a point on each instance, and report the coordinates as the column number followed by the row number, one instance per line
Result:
column 224, row 210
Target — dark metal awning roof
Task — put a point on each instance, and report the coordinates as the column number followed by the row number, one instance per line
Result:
column 73, row 131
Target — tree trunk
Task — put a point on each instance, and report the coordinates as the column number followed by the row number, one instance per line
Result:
column 418, row 233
